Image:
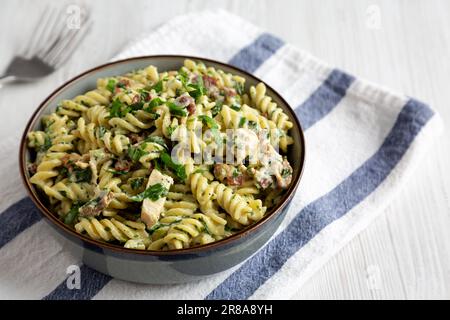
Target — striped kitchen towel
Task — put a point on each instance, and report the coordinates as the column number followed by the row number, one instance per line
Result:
column 363, row 142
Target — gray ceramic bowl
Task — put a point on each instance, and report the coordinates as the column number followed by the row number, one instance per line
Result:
column 163, row 267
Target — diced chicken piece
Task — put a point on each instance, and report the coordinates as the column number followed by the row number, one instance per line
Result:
column 151, row 210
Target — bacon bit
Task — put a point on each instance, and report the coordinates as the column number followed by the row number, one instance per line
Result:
column 229, row 92
column 32, row 168
column 184, row 100
column 124, row 82
column 122, row 165
column 148, row 97
column 209, row 81
column 65, row 159
column 135, row 138
column 225, row 173
column 69, row 160
column 236, row 181
column 191, row 108
column 265, row 183
column 136, row 99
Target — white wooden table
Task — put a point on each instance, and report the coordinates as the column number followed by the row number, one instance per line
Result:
column 404, row 45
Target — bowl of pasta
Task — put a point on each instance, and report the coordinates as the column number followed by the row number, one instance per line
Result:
column 163, row 169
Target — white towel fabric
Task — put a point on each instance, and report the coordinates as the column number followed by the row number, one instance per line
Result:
column 363, row 142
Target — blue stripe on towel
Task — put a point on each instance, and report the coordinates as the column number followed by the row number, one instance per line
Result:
column 91, row 283
column 253, row 56
column 324, row 99
column 313, row 218
column 18, row 217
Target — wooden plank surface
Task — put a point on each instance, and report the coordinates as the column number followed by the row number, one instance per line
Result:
column 404, row 45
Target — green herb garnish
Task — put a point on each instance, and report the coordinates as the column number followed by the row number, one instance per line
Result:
column 136, row 183
column 47, row 144
column 178, row 169
column 184, row 78
column 111, row 86
column 252, row 124
column 176, row 110
column 286, row 172
column 242, row 122
column 118, row 109
column 153, row 104
column 81, row 175
column 196, row 90
column 153, row 193
column 239, row 87
column 170, row 130
column 236, row 107
column 158, row 225
column 158, row 87
column 118, row 172
column 217, row 107
column 135, row 153
column 210, row 122
column 144, row 94
column 72, row 214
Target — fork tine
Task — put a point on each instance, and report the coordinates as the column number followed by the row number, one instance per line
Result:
column 52, row 36
column 41, row 28
column 71, row 41
column 67, row 51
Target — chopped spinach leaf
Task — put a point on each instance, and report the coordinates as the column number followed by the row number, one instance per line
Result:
column 176, row 110
column 198, row 89
column 178, row 169
column 236, row 107
column 286, row 172
column 118, row 172
column 158, row 87
column 210, row 122
column 153, row 104
column 239, row 87
column 153, row 193
column 81, row 175
column 217, row 107
column 111, row 86
column 136, row 183
column 116, row 109
column 242, row 122
column 47, row 144
column 135, row 153
column 70, row 217
column 170, row 130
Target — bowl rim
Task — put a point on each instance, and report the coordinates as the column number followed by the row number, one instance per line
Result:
column 36, row 116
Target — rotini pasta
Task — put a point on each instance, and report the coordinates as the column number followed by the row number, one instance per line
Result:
column 167, row 160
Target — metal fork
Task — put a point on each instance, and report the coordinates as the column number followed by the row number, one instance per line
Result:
column 53, row 43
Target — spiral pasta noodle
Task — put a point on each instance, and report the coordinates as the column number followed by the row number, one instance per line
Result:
column 145, row 160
